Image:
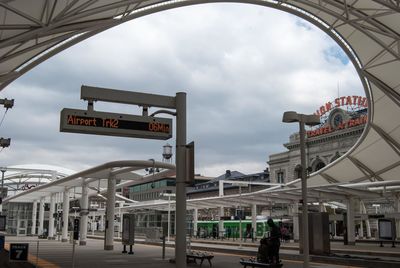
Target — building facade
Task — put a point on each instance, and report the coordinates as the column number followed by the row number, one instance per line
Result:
column 342, row 123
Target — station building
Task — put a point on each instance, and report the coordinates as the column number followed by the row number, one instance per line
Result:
column 342, row 123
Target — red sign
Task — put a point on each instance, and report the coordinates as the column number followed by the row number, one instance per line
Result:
column 357, row 101
column 347, row 124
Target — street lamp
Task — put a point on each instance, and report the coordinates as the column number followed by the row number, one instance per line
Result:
column 240, row 184
column 310, row 120
column 3, row 170
column 169, row 212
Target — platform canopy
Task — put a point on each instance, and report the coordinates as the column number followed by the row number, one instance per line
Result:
column 367, row 30
column 125, row 172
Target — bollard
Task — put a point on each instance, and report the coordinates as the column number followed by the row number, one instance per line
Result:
column 37, row 254
column 163, row 246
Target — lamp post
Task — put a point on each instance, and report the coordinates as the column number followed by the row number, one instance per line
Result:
column 3, row 170
column 240, row 184
column 310, row 120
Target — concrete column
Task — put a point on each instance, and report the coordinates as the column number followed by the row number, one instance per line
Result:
column 361, row 232
column 34, row 215
column 195, row 217
column 110, row 212
column 322, row 207
column 65, row 215
column 221, row 188
column 350, row 221
column 296, row 226
column 121, row 216
column 334, row 223
column 101, row 223
column 254, row 220
column 221, row 222
column 51, row 216
column 41, row 216
column 84, row 215
column 397, row 209
column 367, row 223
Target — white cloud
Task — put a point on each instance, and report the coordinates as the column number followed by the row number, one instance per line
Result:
column 241, row 65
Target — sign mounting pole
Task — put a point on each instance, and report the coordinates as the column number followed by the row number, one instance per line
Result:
column 148, row 127
column 180, row 203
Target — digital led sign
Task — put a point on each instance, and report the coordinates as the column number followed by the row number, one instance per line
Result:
column 113, row 124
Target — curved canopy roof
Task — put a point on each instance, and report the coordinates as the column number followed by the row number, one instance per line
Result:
column 368, row 31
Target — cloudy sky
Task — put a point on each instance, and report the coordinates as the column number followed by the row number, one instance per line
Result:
column 242, row 66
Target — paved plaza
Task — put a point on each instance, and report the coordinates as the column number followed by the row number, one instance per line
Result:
column 53, row 253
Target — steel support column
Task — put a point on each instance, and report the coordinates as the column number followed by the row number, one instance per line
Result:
column 180, row 240
column 34, row 215
column 221, row 222
column 350, row 222
column 296, row 228
column 110, row 212
column 41, row 216
column 254, row 220
column 65, row 216
column 51, row 216
column 84, row 215
column 195, row 217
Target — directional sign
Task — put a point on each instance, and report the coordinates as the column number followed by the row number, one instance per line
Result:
column 113, row 124
column 19, row 252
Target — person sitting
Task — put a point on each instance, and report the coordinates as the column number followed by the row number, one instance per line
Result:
column 262, row 254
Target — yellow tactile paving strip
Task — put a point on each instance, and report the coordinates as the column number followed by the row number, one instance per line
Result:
column 38, row 262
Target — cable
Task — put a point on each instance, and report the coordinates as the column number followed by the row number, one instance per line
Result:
column 4, row 115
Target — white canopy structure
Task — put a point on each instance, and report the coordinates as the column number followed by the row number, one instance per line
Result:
column 368, row 31
column 95, row 179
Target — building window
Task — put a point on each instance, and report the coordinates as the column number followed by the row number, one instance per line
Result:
column 297, row 172
column 280, row 177
column 318, row 164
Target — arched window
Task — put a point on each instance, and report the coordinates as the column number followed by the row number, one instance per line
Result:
column 319, row 165
column 297, row 172
column 336, row 156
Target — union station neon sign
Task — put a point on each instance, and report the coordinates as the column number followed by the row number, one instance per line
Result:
column 339, row 118
column 353, row 101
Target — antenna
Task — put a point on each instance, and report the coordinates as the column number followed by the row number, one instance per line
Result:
column 338, row 95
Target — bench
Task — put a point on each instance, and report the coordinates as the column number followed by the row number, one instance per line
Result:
column 253, row 263
column 193, row 256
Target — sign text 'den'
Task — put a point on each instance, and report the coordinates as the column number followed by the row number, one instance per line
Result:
column 102, row 123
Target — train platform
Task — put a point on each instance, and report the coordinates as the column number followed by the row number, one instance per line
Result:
column 54, row 254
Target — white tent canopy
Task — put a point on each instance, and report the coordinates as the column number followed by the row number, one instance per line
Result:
column 368, row 31
column 96, row 180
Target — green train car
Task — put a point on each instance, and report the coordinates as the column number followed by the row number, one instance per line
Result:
column 209, row 229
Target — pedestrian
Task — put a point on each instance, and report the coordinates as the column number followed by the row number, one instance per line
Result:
column 275, row 237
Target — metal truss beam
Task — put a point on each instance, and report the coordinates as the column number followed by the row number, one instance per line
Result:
column 364, row 169
column 385, row 136
column 358, row 192
column 386, row 169
column 328, row 178
column 392, row 4
column 390, row 92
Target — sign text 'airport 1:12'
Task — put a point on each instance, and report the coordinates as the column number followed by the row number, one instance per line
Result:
column 113, row 124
